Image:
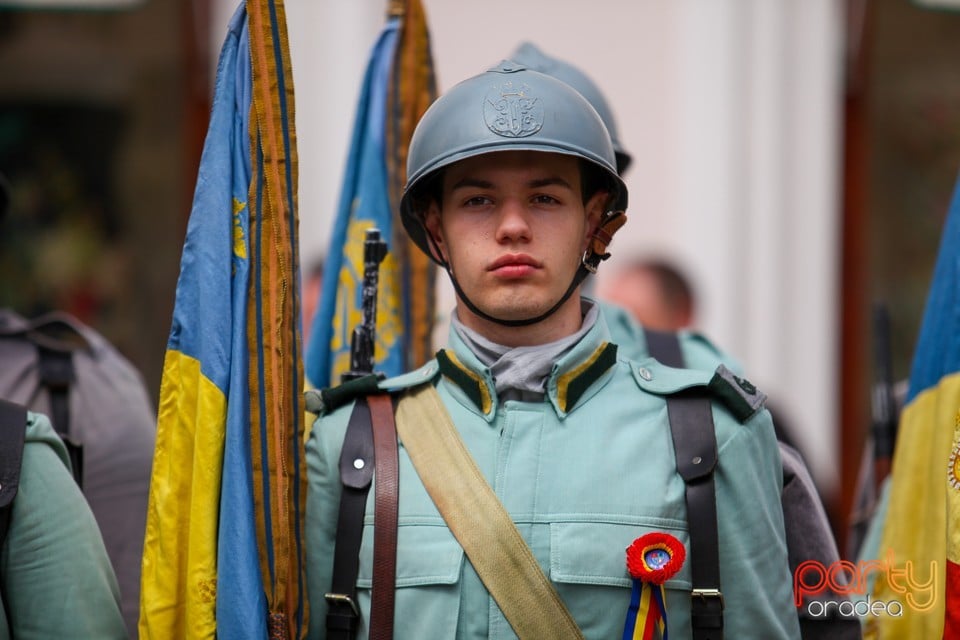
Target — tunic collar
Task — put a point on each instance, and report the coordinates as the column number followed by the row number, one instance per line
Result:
column 566, row 376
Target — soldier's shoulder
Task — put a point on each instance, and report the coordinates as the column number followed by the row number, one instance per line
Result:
column 741, row 397
column 328, row 400
column 700, row 352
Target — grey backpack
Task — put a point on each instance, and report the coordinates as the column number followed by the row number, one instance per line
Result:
column 97, row 401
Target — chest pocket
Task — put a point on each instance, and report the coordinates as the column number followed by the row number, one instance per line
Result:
column 588, row 568
column 428, row 558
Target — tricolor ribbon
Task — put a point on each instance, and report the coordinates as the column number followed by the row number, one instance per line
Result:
column 652, row 559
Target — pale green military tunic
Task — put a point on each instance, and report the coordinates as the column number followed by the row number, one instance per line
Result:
column 57, row 579
column 582, row 473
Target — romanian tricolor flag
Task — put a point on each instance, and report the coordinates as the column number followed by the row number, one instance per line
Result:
column 222, row 551
column 916, row 566
column 398, row 87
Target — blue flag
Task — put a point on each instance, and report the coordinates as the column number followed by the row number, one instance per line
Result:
column 203, row 391
column 241, row 603
column 364, row 204
column 222, row 551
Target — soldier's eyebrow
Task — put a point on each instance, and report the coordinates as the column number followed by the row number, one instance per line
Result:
column 548, row 182
column 537, row 183
column 475, row 183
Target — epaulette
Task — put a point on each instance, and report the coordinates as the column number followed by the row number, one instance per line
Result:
column 737, row 394
column 323, row 401
column 742, row 398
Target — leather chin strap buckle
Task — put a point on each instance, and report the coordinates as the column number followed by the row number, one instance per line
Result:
column 596, row 251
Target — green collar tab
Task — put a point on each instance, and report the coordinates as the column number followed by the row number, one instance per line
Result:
column 468, row 381
column 572, row 385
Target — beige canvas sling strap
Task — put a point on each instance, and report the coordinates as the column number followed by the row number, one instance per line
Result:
column 478, row 520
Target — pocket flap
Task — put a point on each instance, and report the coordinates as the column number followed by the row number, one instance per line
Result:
column 595, row 553
column 426, row 554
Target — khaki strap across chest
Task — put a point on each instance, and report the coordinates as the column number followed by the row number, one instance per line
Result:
column 479, row 521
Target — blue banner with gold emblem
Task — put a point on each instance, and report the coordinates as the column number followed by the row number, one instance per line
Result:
column 364, row 204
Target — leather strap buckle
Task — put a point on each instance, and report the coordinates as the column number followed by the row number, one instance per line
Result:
column 704, row 594
column 340, row 599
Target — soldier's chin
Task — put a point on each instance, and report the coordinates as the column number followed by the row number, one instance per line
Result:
column 516, row 311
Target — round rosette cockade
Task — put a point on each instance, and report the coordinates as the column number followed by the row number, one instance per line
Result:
column 655, row 557
column 652, row 559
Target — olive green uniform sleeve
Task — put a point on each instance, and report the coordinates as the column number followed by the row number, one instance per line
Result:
column 57, row 579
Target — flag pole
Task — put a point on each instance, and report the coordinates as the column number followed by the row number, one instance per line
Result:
column 395, row 9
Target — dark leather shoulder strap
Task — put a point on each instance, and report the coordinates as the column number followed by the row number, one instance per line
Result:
column 665, row 347
column 370, row 443
column 695, row 447
column 356, row 472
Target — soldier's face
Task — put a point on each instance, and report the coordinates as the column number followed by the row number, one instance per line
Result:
column 513, row 226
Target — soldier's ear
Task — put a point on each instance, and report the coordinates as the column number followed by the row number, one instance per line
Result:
column 431, row 223
column 594, row 209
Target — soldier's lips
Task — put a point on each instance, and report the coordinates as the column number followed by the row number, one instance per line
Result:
column 514, row 266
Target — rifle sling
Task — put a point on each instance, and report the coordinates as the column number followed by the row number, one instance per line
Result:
column 695, row 447
column 386, row 493
column 478, row 520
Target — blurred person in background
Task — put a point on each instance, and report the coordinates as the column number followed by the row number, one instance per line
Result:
column 655, row 292
column 56, row 580
column 97, row 402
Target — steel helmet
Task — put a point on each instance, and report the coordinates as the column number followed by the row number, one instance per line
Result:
column 506, row 108
column 530, row 55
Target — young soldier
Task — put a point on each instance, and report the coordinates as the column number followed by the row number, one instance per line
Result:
column 528, row 414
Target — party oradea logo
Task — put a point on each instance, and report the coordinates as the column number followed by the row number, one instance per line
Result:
column 843, row 588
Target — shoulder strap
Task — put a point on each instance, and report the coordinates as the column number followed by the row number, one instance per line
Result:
column 55, row 336
column 695, row 447
column 13, row 422
column 479, row 521
column 57, row 374
column 356, row 472
column 665, row 347
column 370, row 443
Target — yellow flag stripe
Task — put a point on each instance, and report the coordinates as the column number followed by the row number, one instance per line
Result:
column 181, row 535
column 915, row 528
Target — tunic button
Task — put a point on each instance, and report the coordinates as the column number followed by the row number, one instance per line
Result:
column 358, row 463
column 645, row 373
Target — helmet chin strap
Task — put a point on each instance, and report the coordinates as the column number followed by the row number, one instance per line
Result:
column 595, row 253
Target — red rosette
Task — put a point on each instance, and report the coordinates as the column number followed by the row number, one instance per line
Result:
column 655, row 557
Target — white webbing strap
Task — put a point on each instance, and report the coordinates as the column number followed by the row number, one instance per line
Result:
column 478, row 520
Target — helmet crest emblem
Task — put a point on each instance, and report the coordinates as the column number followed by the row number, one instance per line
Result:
column 512, row 111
